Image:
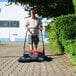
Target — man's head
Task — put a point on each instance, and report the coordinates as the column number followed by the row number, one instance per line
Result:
column 32, row 12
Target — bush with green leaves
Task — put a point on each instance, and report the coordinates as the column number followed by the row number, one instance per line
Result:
column 70, row 47
column 65, row 31
column 52, row 38
column 74, row 3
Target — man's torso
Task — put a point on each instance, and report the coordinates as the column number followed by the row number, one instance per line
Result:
column 33, row 25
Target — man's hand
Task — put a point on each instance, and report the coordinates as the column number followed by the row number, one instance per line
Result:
column 41, row 28
column 26, row 27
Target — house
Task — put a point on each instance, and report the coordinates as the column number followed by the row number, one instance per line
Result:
column 12, row 22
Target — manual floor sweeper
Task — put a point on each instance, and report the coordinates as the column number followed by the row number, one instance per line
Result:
column 33, row 55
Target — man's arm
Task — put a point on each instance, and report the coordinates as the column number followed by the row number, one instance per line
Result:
column 26, row 25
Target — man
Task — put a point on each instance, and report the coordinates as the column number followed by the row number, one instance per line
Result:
column 32, row 25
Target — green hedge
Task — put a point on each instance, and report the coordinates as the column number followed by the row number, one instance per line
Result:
column 64, row 28
column 53, row 40
column 70, row 47
column 74, row 3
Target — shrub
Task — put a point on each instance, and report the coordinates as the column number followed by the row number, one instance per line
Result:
column 53, row 41
column 70, row 47
column 74, row 3
column 63, row 31
column 66, row 26
column 66, row 31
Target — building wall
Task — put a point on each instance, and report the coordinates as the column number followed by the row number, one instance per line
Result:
column 14, row 13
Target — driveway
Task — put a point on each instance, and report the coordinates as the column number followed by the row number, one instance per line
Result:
column 54, row 65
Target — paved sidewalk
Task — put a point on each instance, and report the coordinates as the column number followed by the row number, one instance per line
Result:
column 9, row 66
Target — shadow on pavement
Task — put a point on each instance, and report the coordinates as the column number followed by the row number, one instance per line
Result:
column 46, row 58
column 56, row 54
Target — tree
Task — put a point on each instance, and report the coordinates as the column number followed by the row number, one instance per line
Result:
column 48, row 8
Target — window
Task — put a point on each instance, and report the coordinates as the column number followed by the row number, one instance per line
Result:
column 0, row 10
column 9, row 24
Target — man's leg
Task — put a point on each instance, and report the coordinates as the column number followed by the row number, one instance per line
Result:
column 30, row 42
column 36, row 41
column 35, row 46
column 31, row 46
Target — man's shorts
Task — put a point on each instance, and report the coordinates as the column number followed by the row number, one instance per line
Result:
column 33, row 39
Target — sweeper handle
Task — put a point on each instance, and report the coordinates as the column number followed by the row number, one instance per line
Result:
column 25, row 41
column 42, row 40
column 43, row 43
